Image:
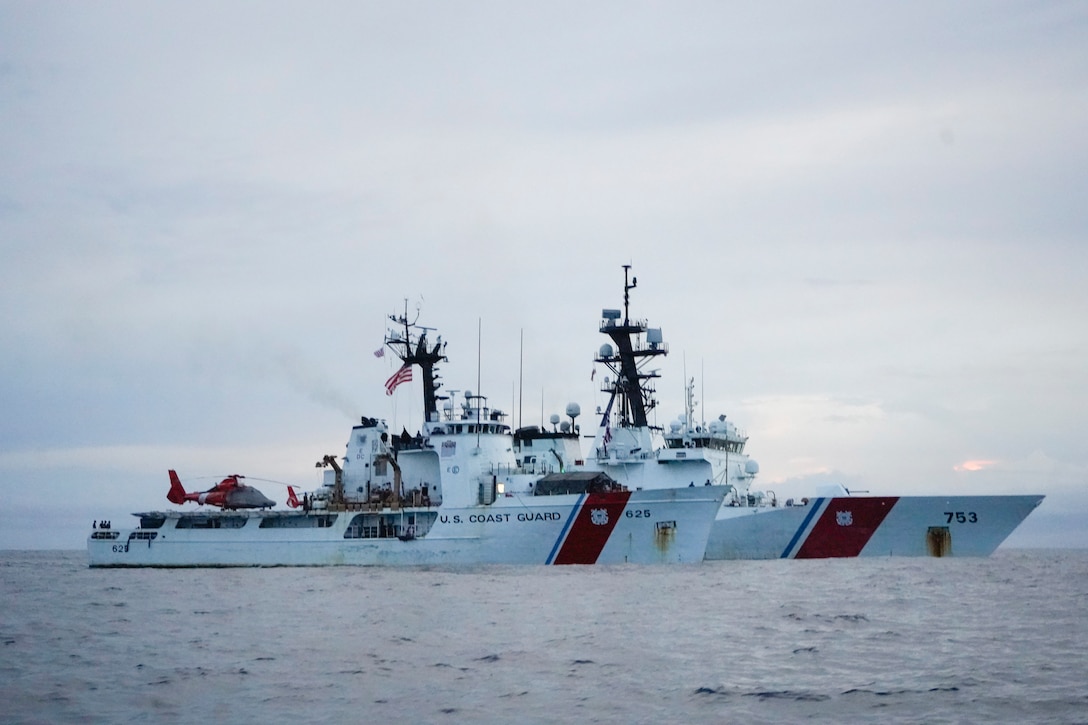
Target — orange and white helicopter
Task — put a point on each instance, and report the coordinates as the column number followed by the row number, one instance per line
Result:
column 229, row 493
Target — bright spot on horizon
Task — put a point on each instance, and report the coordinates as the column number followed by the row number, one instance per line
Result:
column 973, row 465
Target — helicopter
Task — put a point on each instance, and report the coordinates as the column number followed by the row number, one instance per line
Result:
column 229, row 493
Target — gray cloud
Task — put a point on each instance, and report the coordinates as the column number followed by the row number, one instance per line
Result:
column 862, row 224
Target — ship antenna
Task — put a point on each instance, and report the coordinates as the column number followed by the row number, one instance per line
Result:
column 626, row 293
column 479, row 358
column 687, row 396
column 521, row 373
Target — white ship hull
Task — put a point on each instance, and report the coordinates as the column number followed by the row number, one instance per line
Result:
column 869, row 526
column 644, row 527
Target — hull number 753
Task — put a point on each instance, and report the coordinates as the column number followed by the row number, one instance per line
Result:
column 961, row 517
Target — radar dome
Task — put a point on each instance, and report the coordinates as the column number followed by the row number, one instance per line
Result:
column 573, row 410
column 564, row 426
column 554, row 419
column 751, row 467
column 606, row 350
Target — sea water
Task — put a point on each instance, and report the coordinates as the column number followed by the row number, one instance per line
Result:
column 1003, row 639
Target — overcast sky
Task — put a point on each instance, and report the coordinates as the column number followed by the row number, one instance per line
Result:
column 862, row 227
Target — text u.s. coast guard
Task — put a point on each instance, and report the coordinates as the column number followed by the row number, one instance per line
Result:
column 501, row 518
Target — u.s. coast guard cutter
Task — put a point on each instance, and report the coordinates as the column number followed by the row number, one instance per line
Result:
column 753, row 524
column 453, row 494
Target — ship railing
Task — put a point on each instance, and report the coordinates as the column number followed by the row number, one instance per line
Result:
column 382, row 500
column 643, row 346
column 505, row 469
column 629, row 325
column 635, row 454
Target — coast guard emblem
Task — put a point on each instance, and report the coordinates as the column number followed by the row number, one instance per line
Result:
column 844, row 518
column 599, row 517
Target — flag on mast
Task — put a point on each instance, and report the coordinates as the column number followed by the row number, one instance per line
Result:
column 404, row 375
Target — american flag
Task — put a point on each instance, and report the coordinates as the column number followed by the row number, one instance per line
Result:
column 380, row 352
column 404, row 375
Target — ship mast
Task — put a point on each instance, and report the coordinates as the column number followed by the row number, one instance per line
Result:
column 629, row 357
column 413, row 349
